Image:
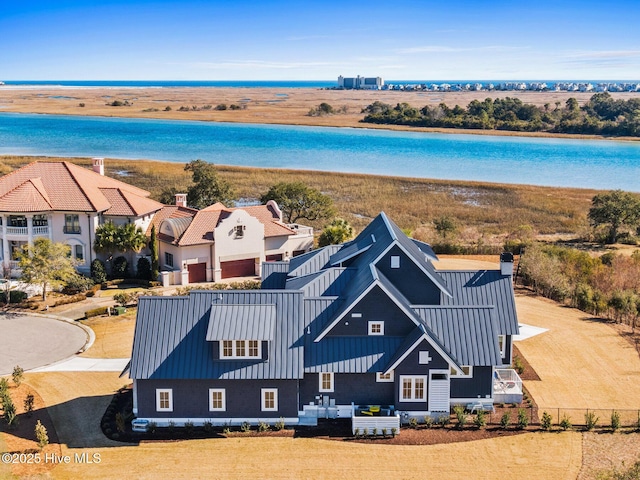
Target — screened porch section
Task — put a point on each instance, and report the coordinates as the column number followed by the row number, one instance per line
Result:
column 507, row 386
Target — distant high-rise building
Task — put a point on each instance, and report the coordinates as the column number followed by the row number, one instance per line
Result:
column 363, row 83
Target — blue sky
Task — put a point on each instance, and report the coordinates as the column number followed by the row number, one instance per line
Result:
column 307, row 40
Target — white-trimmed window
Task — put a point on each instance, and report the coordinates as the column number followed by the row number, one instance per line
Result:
column 413, row 389
column 424, row 358
column 384, row 377
column 395, row 261
column 269, row 399
column 467, row 371
column 164, row 400
column 376, row 327
column 502, row 343
column 240, row 349
column 168, row 259
column 326, row 382
column 217, row 400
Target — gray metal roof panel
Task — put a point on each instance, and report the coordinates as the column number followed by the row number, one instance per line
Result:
column 241, row 322
column 328, row 282
column 274, row 275
column 484, row 287
column 349, row 354
column 312, row 261
column 426, row 249
column 349, row 250
column 469, row 334
column 170, row 337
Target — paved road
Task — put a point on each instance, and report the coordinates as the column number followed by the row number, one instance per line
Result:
column 34, row 341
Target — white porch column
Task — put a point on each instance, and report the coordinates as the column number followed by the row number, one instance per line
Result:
column 5, row 243
column 50, row 227
column 30, row 229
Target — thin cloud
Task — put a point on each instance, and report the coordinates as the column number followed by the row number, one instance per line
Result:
column 260, row 64
column 602, row 59
column 445, row 49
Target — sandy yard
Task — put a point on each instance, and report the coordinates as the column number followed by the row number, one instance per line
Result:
column 263, row 105
column 580, row 362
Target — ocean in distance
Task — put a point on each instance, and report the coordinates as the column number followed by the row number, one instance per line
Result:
column 599, row 164
column 239, row 83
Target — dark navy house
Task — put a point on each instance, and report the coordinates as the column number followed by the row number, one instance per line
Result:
column 367, row 330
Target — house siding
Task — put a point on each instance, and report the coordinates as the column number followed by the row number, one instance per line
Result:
column 407, row 277
column 348, row 388
column 191, row 398
column 480, row 384
column 411, row 366
column 374, row 306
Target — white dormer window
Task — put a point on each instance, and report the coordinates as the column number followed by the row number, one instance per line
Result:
column 395, row 261
column 384, row 377
column 239, row 229
column 376, row 328
column 240, row 349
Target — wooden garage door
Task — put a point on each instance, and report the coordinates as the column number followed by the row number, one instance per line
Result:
column 238, row 268
column 197, row 272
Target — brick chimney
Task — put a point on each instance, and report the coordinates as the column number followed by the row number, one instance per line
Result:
column 98, row 165
column 181, row 199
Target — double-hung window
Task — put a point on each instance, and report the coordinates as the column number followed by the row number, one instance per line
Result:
column 326, row 382
column 71, row 223
column 164, row 400
column 413, row 389
column 269, row 399
column 217, row 400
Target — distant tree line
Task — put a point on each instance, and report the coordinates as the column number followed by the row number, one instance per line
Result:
column 601, row 115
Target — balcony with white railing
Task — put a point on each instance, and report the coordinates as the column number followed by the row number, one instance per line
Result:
column 507, row 386
column 41, row 231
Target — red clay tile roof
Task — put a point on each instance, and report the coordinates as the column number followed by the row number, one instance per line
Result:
column 64, row 186
column 204, row 221
column 169, row 211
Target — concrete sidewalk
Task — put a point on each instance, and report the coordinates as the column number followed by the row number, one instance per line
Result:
column 84, row 364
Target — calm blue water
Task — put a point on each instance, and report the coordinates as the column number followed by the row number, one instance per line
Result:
column 555, row 162
column 249, row 83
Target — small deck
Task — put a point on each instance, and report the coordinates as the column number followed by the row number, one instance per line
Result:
column 370, row 419
column 507, row 386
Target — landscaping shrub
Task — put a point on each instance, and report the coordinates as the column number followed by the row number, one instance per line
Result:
column 523, row 419
column 15, row 296
column 98, row 271
column 481, row 419
column 70, row 299
column 17, row 375
column 565, row 422
column 28, row 404
column 120, row 268
column 461, row 416
column 428, row 421
column 590, row 420
column 518, row 365
column 263, row 426
column 279, row 425
column 77, row 284
column 41, row 435
column 143, row 269
column 615, row 420
column 505, row 420
column 94, row 312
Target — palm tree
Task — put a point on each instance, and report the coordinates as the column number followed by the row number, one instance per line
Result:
column 123, row 238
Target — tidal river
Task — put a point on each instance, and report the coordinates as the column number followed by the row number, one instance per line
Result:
column 601, row 164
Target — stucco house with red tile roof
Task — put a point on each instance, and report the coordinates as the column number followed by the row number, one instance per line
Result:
column 218, row 242
column 66, row 203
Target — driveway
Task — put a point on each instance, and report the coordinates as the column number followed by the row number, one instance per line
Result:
column 35, row 341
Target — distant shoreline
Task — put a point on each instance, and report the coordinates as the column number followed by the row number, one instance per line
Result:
column 266, row 105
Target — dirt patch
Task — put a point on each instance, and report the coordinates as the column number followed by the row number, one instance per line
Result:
column 602, row 452
column 528, row 373
column 19, row 438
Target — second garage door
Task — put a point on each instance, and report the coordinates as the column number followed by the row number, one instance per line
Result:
column 238, row 268
column 197, row 272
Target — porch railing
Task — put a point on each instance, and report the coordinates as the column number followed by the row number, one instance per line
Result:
column 374, row 424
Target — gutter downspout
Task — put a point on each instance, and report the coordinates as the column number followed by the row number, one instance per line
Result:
column 90, row 241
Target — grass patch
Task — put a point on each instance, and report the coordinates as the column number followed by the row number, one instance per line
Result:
column 485, row 212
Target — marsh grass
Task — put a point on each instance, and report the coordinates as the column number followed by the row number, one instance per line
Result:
column 486, row 212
